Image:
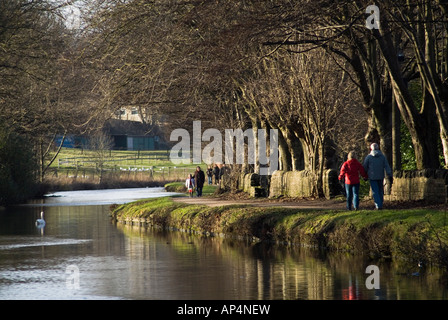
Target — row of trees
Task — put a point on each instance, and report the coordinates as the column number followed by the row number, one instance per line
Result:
column 214, row 61
column 311, row 69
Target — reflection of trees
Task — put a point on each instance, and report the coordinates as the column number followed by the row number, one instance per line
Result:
column 195, row 267
column 249, row 272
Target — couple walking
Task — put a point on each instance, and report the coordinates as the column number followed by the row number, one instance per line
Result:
column 373, row 168
column 195, row 181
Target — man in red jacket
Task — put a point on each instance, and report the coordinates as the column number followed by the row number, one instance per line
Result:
column 351, row 169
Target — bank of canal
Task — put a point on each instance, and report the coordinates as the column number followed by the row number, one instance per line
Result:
column 417, row 235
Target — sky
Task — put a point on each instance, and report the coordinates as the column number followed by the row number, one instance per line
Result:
column 72, row 16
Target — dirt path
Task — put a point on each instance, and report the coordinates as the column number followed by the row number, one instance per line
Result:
column 301, row 204
column 334, row 204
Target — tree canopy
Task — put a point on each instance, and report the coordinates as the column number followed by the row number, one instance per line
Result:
column 313, row 70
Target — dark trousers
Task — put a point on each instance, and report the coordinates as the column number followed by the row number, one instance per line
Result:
column 199, row 191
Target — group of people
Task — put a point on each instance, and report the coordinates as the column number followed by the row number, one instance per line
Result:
column 374, row 167
column 196, row 181
column 217, row 171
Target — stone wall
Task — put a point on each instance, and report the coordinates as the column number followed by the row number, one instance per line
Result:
column 291, row 184
column 294, row 184
column 428, row 185
column 251, row 184
column 300, row 184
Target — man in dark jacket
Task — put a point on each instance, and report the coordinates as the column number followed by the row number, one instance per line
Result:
column 199, row 178
column 209, row 174
column 216, row 173
column 375, row 164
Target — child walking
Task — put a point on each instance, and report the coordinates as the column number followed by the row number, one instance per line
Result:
column 189, row 183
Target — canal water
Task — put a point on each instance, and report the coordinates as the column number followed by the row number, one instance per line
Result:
column 81, row 254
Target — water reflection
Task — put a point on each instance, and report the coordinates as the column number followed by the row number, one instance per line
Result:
column 125, row 262
column 219, row 268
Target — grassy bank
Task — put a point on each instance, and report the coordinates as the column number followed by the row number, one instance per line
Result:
column 417, row 235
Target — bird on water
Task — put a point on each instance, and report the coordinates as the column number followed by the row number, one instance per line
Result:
column 40, row 222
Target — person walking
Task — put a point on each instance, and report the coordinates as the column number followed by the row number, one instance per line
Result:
column 199, row 178
column 350, row 172
column 216, row 173
column 209, row 174
column 375, row 164
column 189, row 183
column 222, row 171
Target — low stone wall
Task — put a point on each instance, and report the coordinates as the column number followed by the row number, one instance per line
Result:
column 428, row 185
column 300, row 184
column 291, row 184
column 251, row 185
column 294, row 184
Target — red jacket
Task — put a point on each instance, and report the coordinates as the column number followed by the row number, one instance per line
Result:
column 351, row 169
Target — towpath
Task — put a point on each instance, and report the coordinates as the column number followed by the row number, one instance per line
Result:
column 332, row 204
column 300, row 204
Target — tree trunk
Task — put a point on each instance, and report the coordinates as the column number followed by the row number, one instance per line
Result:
column 396, row 137
column 413, row 120
column 320, row 170
column 294, row 148
column 285, row 154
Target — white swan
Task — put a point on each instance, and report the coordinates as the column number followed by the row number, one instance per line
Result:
column 40, row 223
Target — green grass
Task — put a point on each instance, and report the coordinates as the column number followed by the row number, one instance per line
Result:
column 143, row 165
column 71, row 157
column 180, row 187
column 143, row 208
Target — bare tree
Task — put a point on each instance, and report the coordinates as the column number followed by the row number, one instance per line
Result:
column 303, row 95
column 410, row 43
column 38, row 94
column 100, row 144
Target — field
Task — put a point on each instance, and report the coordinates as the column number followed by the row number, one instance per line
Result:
column 76, row 168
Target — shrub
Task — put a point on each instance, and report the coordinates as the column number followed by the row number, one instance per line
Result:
column 17, row 167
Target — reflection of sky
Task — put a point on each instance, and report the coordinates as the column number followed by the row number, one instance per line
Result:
column 28, row 242
column 72, row 16
column 101, row 197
